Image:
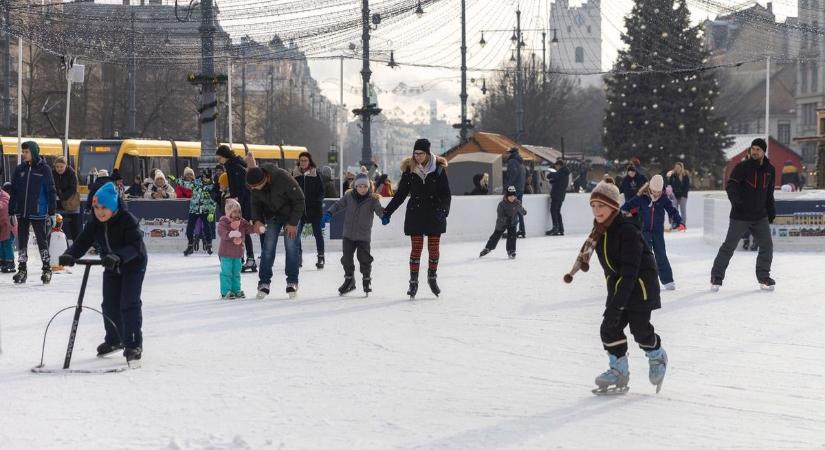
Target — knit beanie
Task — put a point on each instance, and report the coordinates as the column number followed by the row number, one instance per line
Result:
column 106, row 196
column 188, row 171
column 361, row 179
column 657, row 183
column 759, row 142
column 224, row 151
column 231, row 205
column 607, row 193
column 511, row 190
column 422, row 144
column 255, row 176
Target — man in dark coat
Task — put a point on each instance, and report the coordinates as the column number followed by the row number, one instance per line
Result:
column 33, row 202
column 631, row 183
column 235, row 168
column 559, row 182
column 516, row 176
column 750, row 191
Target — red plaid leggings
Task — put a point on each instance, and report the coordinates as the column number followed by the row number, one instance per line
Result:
column 433, row 248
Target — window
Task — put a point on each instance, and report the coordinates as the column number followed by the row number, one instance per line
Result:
column 784, row 133
column 815, row 34
column 569, row 29
column 803, row 73
column 814, row 77
column 809, row 114
column 579, row 54
column 589, row 31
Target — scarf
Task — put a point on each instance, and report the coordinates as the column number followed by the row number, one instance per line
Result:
column 423, row 171
column 583, row 259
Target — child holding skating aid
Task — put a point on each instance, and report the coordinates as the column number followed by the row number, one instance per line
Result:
column 359, row 204
column 506, row 219
column 632, row 289
column 232, row 229
column 117, row 235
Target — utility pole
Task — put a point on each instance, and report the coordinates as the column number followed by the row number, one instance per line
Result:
column 209, row 101
column 131, row 121
column 6, row 92
column 243, row 90
column 465, row 124
column 519, row 87
column 543, row 57
column 367, row 109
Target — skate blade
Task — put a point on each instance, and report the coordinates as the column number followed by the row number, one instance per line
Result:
column 611, row 391
column 293, row 295
column 766, row 288
column 659, row 386
column 714, row 288
column 261, row 296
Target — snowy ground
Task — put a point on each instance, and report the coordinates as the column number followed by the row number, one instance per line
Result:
column 504, row 359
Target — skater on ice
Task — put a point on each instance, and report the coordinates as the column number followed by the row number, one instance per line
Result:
column 232, row 229
column 312, row 185
column 750, row 191
column 632, row 289
column 424, row 180
column 507, row 214
column 650, row 206
column 277, row 204
column 358, row 205
column 123, row 254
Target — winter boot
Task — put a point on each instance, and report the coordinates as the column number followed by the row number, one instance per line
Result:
column 292, row 289
column 190, row 248
column 767, row 284
column 367, row 283
column 133, row 354
column 21, row 275
column 106, row 348
column 658, row 367
column 348, row 286
column 551, row 232
column 208, row 247
column 263, row 290
column 320, row 263
column 249, row 265
column 484, row 252
column 431, row 280
column 46, row 277
column 413, row 284
column 615, row 379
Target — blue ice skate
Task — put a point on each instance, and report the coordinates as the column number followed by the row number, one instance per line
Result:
column 658, row 366
column 614, row 380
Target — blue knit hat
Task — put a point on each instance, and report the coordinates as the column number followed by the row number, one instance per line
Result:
column 106, row 196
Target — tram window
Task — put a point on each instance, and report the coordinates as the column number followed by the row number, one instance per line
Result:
column 130, row 166
column 164, row 164
column 187, row 162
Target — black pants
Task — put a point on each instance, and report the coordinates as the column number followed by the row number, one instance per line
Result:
column 520, row 198
column 317, row 231
column 40, row 233
column 555, row 213
column 71, row 225
column 122, row 304
column 614, row 339
column 761, row 232
column 496, row 236
column 207, row 227
column 364, row 258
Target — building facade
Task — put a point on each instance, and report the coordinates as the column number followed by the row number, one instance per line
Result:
column 578, row 31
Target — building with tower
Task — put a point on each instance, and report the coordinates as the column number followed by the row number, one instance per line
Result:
column 578, row 30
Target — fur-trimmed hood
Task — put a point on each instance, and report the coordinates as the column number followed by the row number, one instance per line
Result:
column 372, row 195
column 312, row 172
column 408, row 162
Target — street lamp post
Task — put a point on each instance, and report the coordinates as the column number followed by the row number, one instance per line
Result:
column 367, row 109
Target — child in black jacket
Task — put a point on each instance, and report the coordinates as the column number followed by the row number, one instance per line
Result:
column 506, row 219
column 117, row 234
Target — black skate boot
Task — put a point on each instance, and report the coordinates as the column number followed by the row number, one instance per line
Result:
column 348, row 286
column 511, row 255
column 263, row 291
column 21, row 275
column 46, row 277
column 320, row 263
column 431, row 280
column 367, row 283
column 484, row 252
column 249, row 265
column 7, row 267
column 133, row 356
column 745, row 244
column 292, row 289
column 208, row 247
column 767, row 284
column 413, row 285
column 196, row 244
column 106, row 348
column 189, row 249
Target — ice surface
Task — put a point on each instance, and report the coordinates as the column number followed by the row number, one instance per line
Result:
column 504, row 359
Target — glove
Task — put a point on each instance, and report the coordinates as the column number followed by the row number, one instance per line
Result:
column 235, row 234
column 210, row 217
column 681, row 227
column 385, row 220
column 111, row 261
column 66, row 260
column 440, row 215
column 612, row 318
column 325, row 219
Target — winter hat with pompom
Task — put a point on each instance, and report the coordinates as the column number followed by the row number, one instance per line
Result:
column 607, row 193
column 657, row 183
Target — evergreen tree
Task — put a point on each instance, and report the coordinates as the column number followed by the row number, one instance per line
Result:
column 660, row 101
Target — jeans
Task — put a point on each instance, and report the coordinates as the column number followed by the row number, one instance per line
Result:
column 71, row 225
column 122, row 304
column 496, row 236
column 681, row 203
column 230, row 275
column 656, row 242
column 7, row 250
column 40, row 233
column 292, row 246
column 317, row 231
column 761, row 231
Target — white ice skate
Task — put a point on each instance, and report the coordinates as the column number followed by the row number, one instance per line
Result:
column 658, row 367
column 614, row 380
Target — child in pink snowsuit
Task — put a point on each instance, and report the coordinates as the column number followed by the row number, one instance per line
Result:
column 232, row 228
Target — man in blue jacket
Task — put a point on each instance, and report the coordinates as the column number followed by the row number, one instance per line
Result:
column 33, row 201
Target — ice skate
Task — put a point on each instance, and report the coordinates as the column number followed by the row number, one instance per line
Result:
column 715, row 284
column 133, row 357
column 348, row 286
column 189, row 250
column 551, row 232
column 208, row 247
column 320, row 264
column 7, row 267
column 263, row 291
column 658, row 367
column 431, row 280
column 511, row 255
column 229, row 296
column 767, row 284
column 745, row 244
column 614, row 380
column 46, row 276
column 292, row 289
column 196, row 244
column 484, row 252
column 367, row 284
column 413, row 289
column 670, row 286
column 249, row 266
column 106, row 348
column 21, row 275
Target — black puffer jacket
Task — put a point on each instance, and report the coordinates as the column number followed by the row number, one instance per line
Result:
column 312, row 185
column 750, row 190
column 120, row 235
column 629, row 266
column 429, row 203
column 560, row 180
column 680, row 187
column 236, row 174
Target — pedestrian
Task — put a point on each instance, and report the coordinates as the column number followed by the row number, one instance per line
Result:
column 160, row 189
column 424, row 180
column 349, row 177
column 68, row 199
column 507, row 214
column 481, row 182
column 790, row 176
column 679, row 180
column 384, row 186
column 116, row 232
column 650, row 206
column 516, row 177
column 201, row 214
column 750, row 191
column 639, row 169
column 235, row 168
column 312, row 185
column 8, row 230
column 631, row 183
column 330, row 187
column 136, row 188
column 231, row 230
column 277, row 203
column 186, row 184
column 559, row 180
column 358, row 205
column 632, row 289
column 33, row 201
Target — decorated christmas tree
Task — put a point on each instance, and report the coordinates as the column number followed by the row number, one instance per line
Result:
column 660, row 97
